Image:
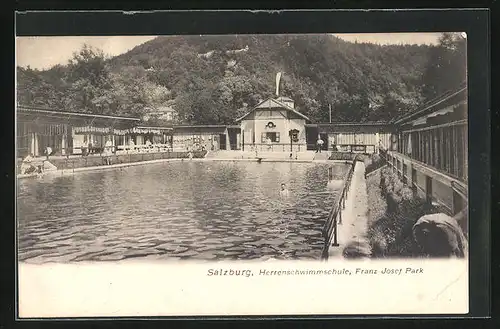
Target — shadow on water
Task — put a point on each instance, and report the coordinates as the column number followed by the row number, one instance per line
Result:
column 193, row 210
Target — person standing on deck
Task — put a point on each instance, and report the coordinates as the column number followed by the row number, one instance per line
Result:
column 108, row 151
column 48, row 151
column 148, row 145
column 319, row 145
column 131, row 145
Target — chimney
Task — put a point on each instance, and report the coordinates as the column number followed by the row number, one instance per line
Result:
column 287, row 101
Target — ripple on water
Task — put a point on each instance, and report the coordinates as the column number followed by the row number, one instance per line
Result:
column 175, row 212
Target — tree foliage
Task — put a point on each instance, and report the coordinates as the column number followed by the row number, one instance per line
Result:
column 447, row 66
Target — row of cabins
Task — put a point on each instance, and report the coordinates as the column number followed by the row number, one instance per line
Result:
column 432, row 150
column 274, row 125
column 427, row 148
column 69, row 133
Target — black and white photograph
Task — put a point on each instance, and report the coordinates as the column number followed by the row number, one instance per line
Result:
column 248, row 156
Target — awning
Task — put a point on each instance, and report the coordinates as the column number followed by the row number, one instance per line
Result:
column 154, row 131
column 449, row 109
column 92, row 130
column 120, row 132
column 45, row 129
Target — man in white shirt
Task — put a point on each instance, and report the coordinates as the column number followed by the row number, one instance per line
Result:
column 319, row 145
column 48, row 151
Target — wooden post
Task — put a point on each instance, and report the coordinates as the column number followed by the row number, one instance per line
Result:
column 414, row 180
column 436, row 149
column 420, row 146
column 242, row 140
column 431, row 148
column 335, row 242
column 461, row 161
column 428, row 190
column 457, row 203
column 455, row 149
column 63, row 144
column 228, row 145
column 466, row 153
column 404, row 172
column 441, row 149
column 448, row 150
column 428, row 148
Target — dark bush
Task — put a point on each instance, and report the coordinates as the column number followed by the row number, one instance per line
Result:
column 391, row 235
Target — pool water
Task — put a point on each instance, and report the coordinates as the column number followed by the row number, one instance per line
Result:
column 176, row 210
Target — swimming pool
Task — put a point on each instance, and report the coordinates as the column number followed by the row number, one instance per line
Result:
column 209, row 210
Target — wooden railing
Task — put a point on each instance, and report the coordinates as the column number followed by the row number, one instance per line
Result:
column 335, row 216
column 450, row 193
column 71, row 163
column 353, row 148
column 275, row 147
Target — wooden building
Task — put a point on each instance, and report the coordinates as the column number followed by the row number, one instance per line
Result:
column 432, row 150
column 274, row 123
column 353, row 137
column 208, row 137
column 437, row 134
column 66, row 132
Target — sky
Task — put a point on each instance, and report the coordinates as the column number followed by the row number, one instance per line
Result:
column 44, row 52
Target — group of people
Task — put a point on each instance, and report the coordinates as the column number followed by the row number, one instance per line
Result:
column 28, row 166
column 147, row 147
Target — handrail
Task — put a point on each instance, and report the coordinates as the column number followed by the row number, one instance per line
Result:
column 458, row 187
column 335, row 215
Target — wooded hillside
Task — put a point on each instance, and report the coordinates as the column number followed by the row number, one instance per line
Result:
column 215, row 79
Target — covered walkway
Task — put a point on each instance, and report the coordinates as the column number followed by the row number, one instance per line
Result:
column 432, row 151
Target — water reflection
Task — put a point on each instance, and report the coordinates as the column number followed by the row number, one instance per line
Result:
column 195, row 210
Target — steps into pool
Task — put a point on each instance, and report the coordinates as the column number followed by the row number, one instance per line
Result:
column 321, row 156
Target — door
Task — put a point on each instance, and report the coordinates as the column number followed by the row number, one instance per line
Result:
column 222, row 143
column 311, row 137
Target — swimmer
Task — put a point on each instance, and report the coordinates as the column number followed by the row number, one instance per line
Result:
column 284, row 191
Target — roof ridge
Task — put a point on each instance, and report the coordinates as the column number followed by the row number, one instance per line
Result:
column 278, row 103
column 441, row 98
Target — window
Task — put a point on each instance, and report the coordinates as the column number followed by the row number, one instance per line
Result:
column 274, row 137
